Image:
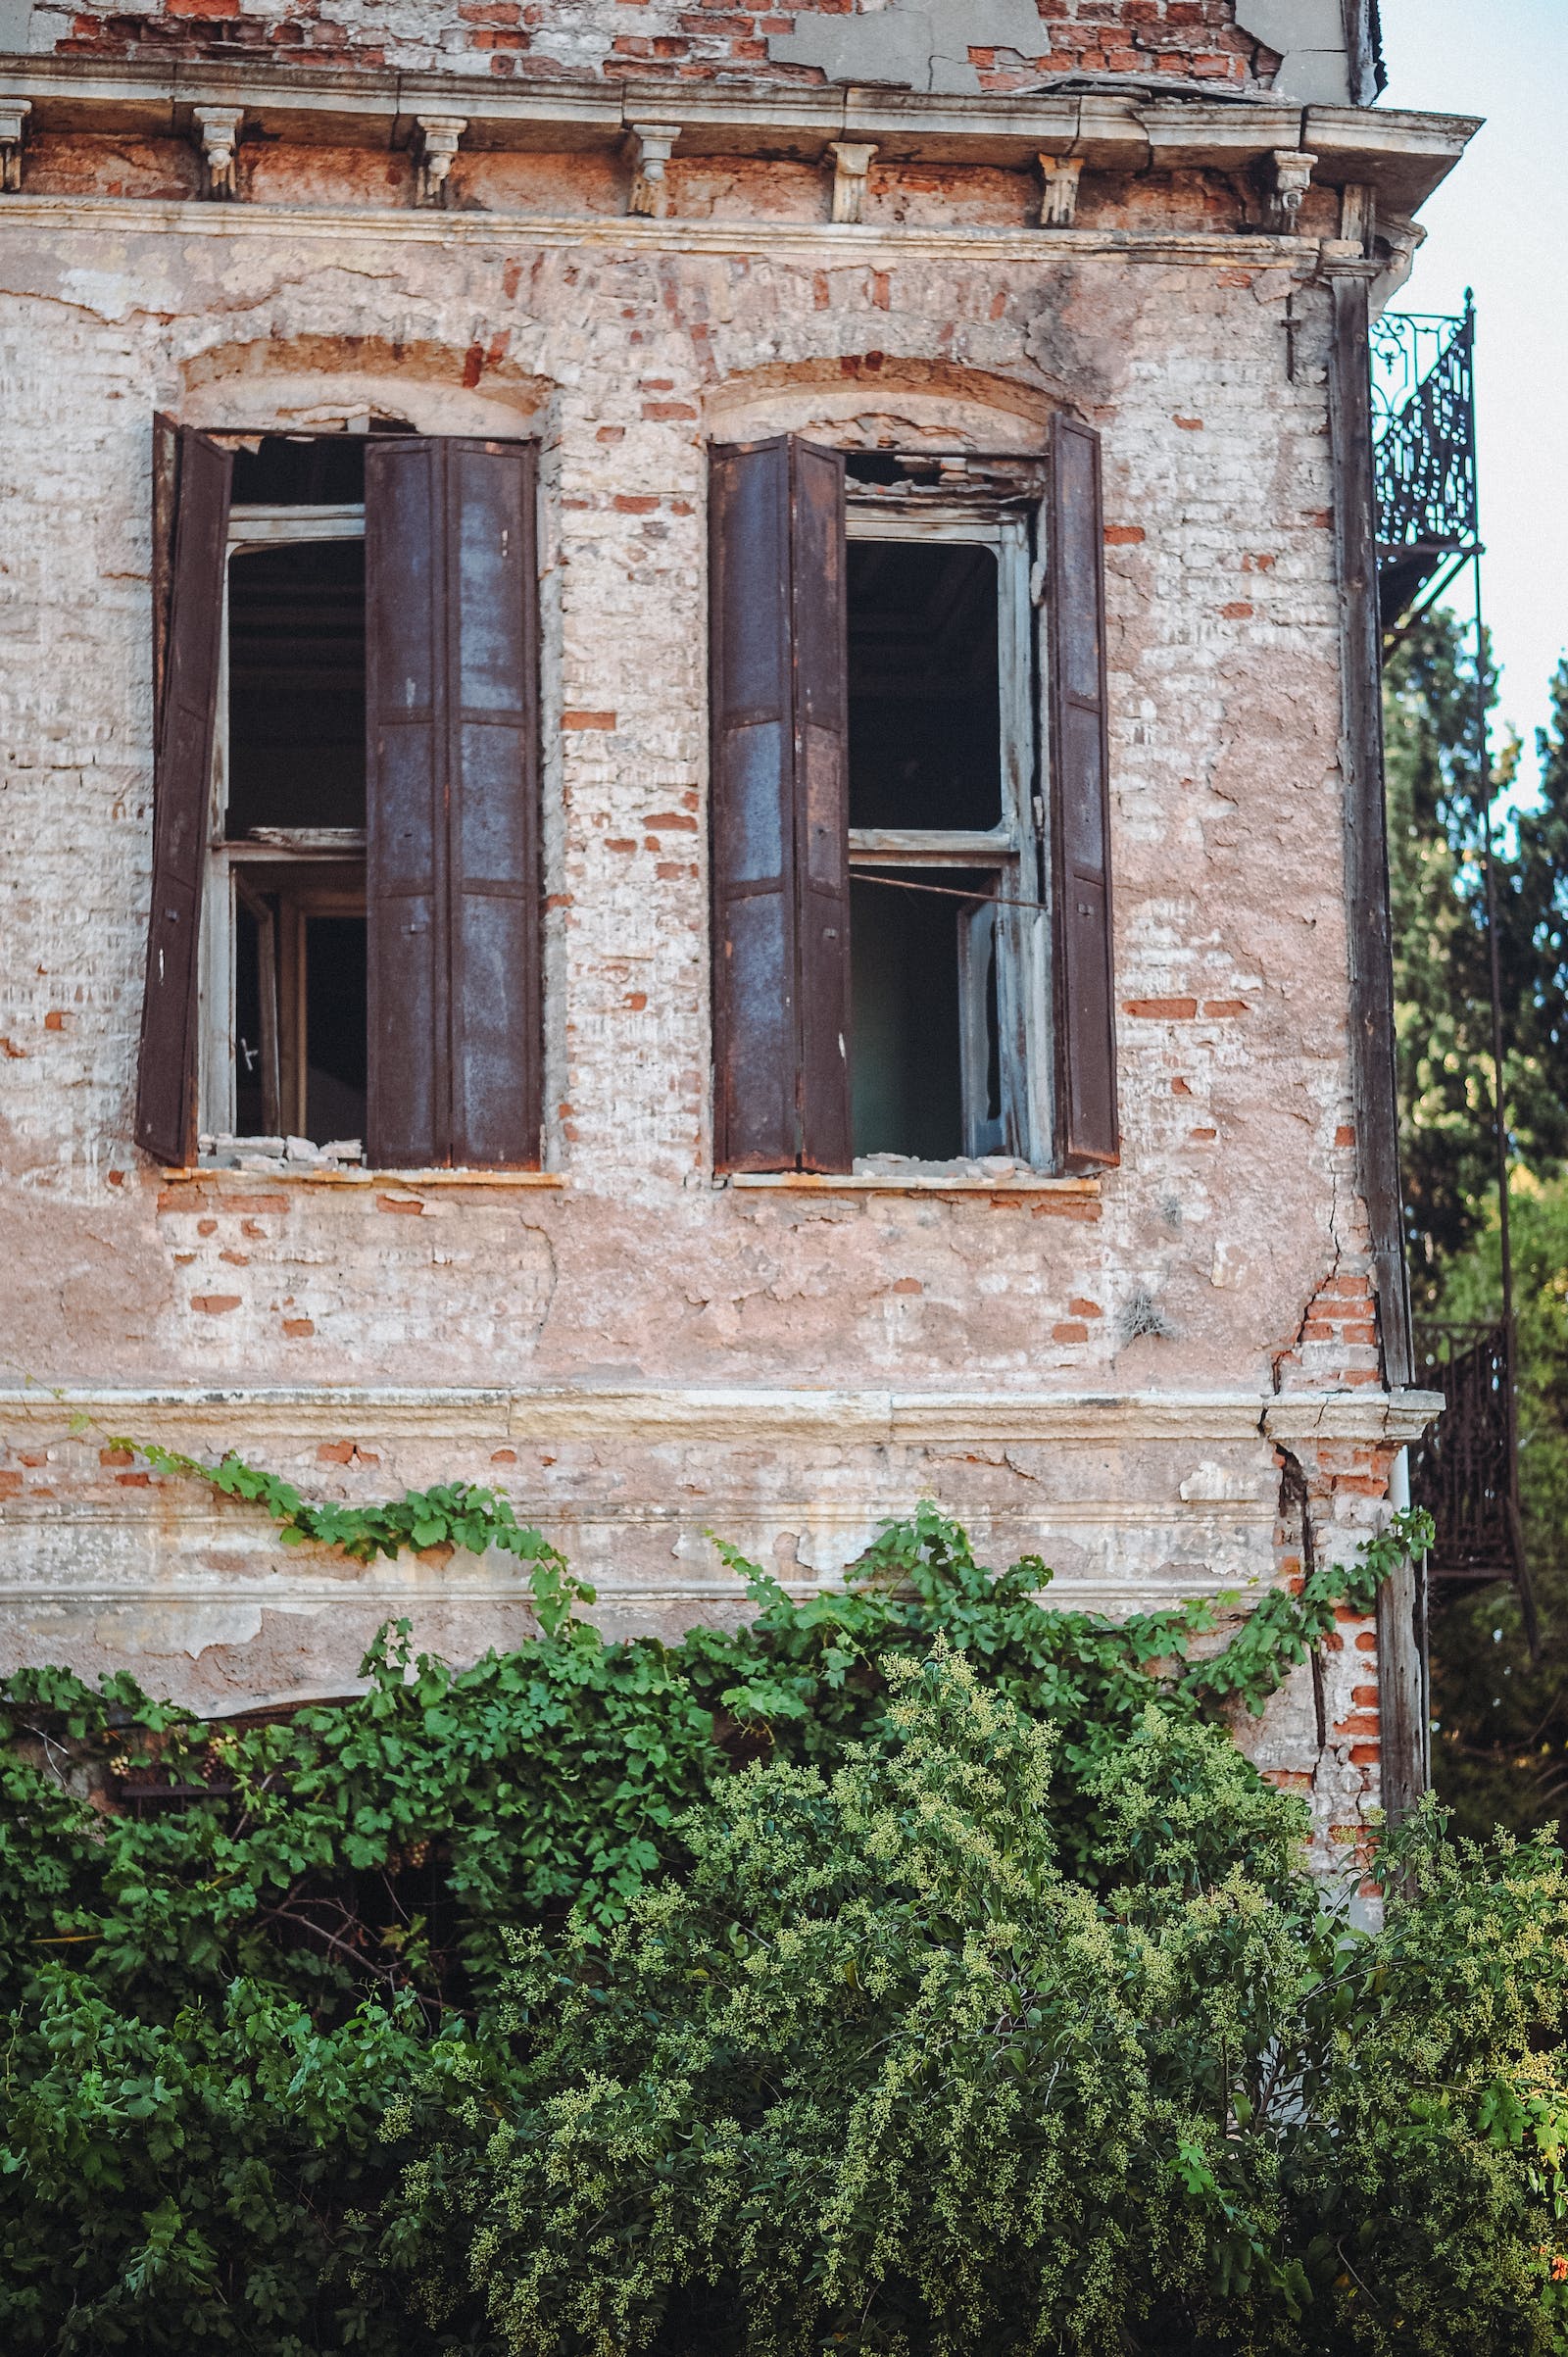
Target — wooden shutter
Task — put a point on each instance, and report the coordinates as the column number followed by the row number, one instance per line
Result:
column 780, row 808
column 186, row 649
column 453, row 803
column 165, row 493
column 1085, row 1005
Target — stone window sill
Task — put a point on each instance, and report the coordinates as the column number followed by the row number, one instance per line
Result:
column 911, row 1182
column 305, row 1175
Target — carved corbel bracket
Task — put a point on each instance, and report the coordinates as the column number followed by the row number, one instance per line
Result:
column 1398, row 241
column 1289, row 175
column 13, row 112
column 439, row 136
column 651, row 144
column 852, row 166
column 1058, row 206
column 218, row 128
column 1358, row 217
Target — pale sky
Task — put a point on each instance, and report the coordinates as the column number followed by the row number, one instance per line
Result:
column 1500, row 224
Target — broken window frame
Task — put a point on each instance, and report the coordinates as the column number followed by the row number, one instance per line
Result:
column 1015, row 853
column 307, row 870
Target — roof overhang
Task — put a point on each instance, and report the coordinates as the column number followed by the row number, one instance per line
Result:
column 1403, row 155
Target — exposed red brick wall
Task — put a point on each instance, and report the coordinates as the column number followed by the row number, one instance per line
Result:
column 704, row 39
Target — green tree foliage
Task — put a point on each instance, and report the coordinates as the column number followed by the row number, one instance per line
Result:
column 877, row 2075
column 1501, row 1747
column 1502, row 1752
column 256, row 1980
column 1442, row 957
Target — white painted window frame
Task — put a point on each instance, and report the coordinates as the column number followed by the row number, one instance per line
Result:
column 250, row 528
column 1017, row 851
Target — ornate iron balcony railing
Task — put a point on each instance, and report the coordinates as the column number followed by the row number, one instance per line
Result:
column 1466, row 1471
column 1424, row 427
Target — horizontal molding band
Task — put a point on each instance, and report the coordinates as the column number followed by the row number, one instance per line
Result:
column 819, row 242
column 653, row 1414
column 174, row 1597
column 141, row 1509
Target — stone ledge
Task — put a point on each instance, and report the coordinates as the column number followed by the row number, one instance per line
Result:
column 201, row 1176
column 913, row 1182
column 814, row 241
column 656, row 1413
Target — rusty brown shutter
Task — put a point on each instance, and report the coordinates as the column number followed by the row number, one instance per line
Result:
column 187, row 651
column 453, row 803
column 165, row 493
column 780, row 810
column 1085, row 1005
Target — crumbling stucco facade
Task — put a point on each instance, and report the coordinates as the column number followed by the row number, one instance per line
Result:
column 1143, row 1373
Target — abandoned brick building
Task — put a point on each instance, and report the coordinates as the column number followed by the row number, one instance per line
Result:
column 692, row 805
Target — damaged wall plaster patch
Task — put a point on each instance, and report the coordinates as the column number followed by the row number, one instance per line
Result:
column 16, row 25
column 924, row 43
column 1310, row 35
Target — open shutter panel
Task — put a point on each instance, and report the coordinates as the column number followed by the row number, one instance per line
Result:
column 1086, row 1024
column 405, row 803
column 188, row 647
column 166, row 495
column 821, row 592
column 493, row 827
column 453, row 871
column 780, row 846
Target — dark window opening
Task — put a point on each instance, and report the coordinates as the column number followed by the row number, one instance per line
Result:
column 296, row 687
column 926, row 758
column 306, row 470
column 257, row 1111
column 336, row 1032
column 300, row 1031
column 910, row 1002
column 925, row 715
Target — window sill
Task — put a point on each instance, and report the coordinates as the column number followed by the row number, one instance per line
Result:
column 913, row 1182
column 298, row 1174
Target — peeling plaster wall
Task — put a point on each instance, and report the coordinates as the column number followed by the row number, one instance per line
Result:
column 956, row 45
column 1096, row 1370
column 1310, row 38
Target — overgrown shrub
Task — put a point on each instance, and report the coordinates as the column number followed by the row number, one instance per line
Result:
column 876, row 2075
column 918, row 1967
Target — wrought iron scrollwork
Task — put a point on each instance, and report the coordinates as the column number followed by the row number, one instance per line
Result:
column 1463, row 1472
column 1423, row 406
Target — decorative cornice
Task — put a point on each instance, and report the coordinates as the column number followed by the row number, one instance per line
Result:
column 1404, row 155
